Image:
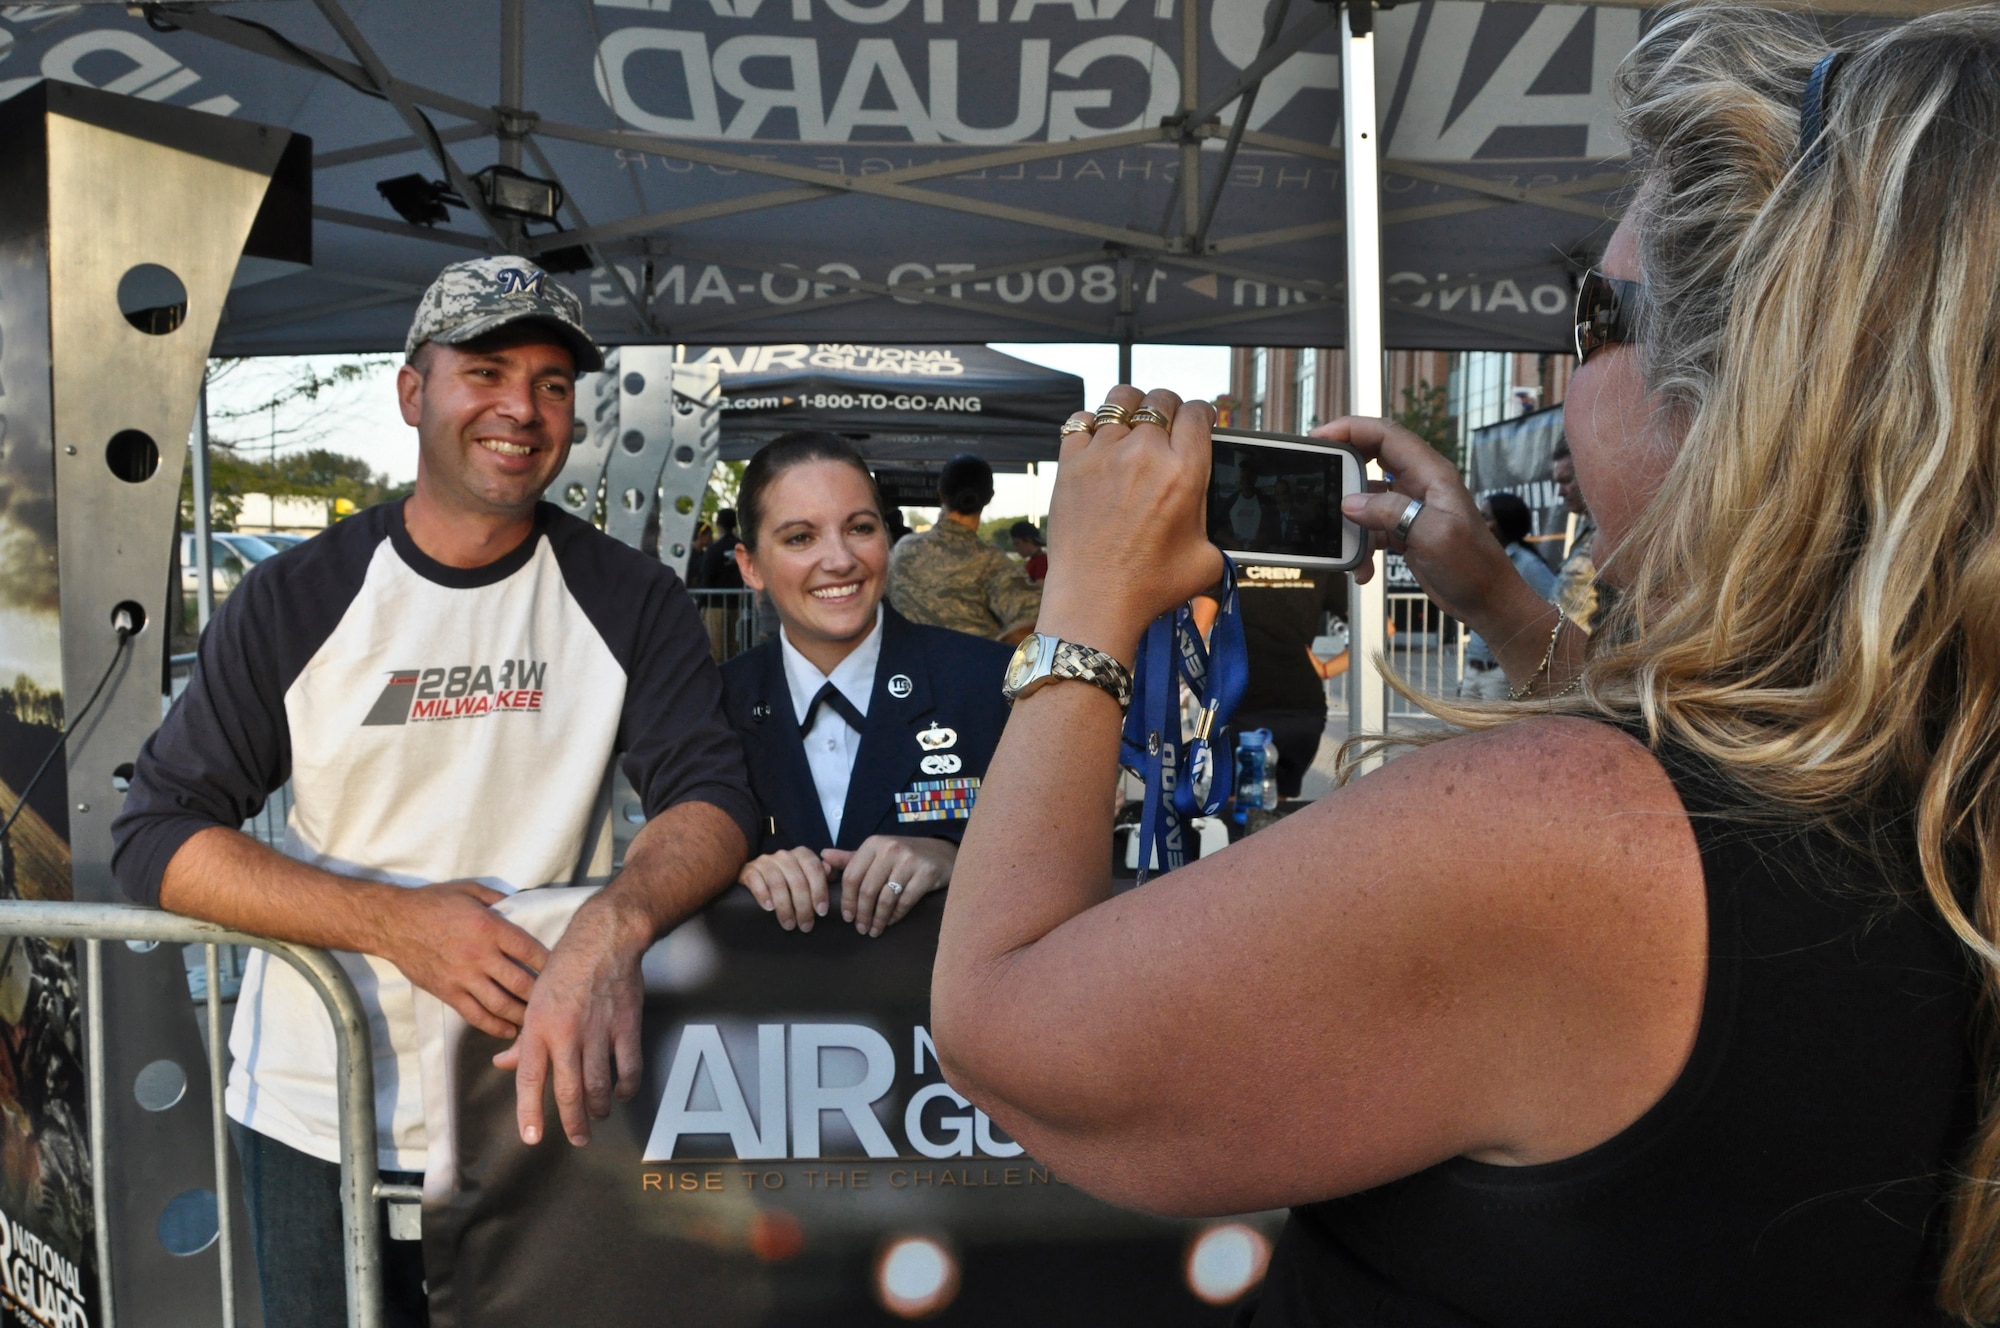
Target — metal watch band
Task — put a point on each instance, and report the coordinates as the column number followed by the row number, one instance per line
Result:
column 1067, row 659
column 1087, row 665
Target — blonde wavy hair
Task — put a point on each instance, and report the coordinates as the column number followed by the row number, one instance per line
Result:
column 1813, row 597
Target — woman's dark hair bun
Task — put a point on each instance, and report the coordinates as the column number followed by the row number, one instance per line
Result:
column 1511, row 514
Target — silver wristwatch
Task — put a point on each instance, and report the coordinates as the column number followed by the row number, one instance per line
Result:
column 1040, row 660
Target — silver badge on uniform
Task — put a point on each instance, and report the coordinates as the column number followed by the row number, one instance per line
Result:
column 900, row 686
column 937, row 737
column 947, row 764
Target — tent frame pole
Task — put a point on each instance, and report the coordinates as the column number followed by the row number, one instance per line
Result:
column 513, row 96
column 1368, row 698
column 1188, row 182
column 513, row 79
column 204, row 570
column 1274, row 19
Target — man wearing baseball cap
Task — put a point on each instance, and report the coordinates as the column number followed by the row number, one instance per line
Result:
column 446, row 682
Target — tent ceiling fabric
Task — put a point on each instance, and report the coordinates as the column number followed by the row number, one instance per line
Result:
column 907, row 170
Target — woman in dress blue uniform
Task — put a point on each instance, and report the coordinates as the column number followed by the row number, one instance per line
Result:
column 866, row 734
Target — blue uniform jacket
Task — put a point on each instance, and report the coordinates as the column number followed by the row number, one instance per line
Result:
column 948, row 680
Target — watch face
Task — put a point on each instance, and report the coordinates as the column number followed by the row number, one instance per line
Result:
column 1022, row 666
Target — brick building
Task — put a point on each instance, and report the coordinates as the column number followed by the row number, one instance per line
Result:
column 1291, row 390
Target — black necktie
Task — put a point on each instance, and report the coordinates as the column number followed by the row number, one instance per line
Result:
column 830, row 696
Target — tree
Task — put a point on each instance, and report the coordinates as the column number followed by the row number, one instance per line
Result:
column 725, row 482
column 315, row 473
column 284, row 471
column 1426, row 412
column 998, row 531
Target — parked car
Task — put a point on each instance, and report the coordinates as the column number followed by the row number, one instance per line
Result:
column 254, row 548
column 230, row 555
column 282, row 541
column 226, row 563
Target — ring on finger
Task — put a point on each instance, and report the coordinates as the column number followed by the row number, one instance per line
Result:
column 895, row 887
column 1148, row 415
column 1113, row 413
column 1409, row 518
column 1076, row 426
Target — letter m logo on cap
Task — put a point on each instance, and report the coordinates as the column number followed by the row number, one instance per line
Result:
column 516, row 279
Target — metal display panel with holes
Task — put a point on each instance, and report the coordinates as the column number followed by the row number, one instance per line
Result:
column 122, row 228
column 646, row 440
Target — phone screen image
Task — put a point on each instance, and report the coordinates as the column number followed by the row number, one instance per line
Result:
column 1276, row 498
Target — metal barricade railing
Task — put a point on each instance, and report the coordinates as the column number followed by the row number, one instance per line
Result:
column 731, row 619
column 1426, row 649
column 360, row 1183
column 267, row 827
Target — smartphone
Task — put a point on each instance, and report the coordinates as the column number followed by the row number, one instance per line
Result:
column 1275, row 498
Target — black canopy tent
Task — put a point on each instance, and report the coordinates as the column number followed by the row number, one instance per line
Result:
column 899, row 404
column 901, row 170
column 904, row 170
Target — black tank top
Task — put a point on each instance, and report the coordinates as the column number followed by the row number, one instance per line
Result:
column 1795, row 1173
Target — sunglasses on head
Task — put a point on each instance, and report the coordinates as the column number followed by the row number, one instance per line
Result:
column 1607, row 312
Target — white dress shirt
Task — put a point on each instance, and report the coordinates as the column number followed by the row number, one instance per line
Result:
column 832, row 743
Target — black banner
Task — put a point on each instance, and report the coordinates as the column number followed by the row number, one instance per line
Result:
column 794, row 1157
column 1517, row 456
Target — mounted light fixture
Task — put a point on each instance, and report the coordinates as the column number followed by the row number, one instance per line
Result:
column 515, row 193
column 569, row 258
column 419, row 201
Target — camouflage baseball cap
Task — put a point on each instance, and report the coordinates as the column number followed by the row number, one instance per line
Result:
column 481, row 295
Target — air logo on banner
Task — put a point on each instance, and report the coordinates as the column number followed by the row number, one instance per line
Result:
column 42, row 1285
column 792, row 1092
column 462, row 691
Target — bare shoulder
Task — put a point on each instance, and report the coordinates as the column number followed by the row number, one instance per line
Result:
column 1553, row 794
column 1526, row 905
column 1574, row 884
column 1560, row 821
column 1562, row 760
column 1494, row 947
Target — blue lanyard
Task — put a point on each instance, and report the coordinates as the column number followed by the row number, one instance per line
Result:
column 1216, row 675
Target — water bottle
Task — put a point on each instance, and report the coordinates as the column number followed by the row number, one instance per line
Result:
column 1270, row 801
column 1250, row 770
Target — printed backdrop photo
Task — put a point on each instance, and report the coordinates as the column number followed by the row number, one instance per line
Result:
column 794, row 1157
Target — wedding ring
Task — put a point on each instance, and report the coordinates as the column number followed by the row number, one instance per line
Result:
column 1148, row 415
column 1076, row 426
column 1113, row 413
column 1401, row 530
column 895, row 887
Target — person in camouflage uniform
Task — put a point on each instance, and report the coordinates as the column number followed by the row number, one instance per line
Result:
column 1578, row 592
column 949, row 577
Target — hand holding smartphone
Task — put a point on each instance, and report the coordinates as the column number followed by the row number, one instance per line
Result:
column 1275, row 498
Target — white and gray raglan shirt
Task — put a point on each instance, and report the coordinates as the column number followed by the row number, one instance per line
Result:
column 436, row 724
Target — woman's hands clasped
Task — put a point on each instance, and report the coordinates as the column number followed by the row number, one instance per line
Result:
column 796, row 883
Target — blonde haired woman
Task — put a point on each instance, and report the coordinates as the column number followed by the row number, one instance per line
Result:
column 1658, row 1004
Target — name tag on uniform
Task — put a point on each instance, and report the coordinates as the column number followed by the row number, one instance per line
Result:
column 937, row 800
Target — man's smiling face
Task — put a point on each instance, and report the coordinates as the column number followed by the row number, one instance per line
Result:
column 492, row 417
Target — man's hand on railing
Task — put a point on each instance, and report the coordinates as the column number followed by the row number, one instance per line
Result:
column 447, row 939
column 583, row 1014
column 443, row 937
